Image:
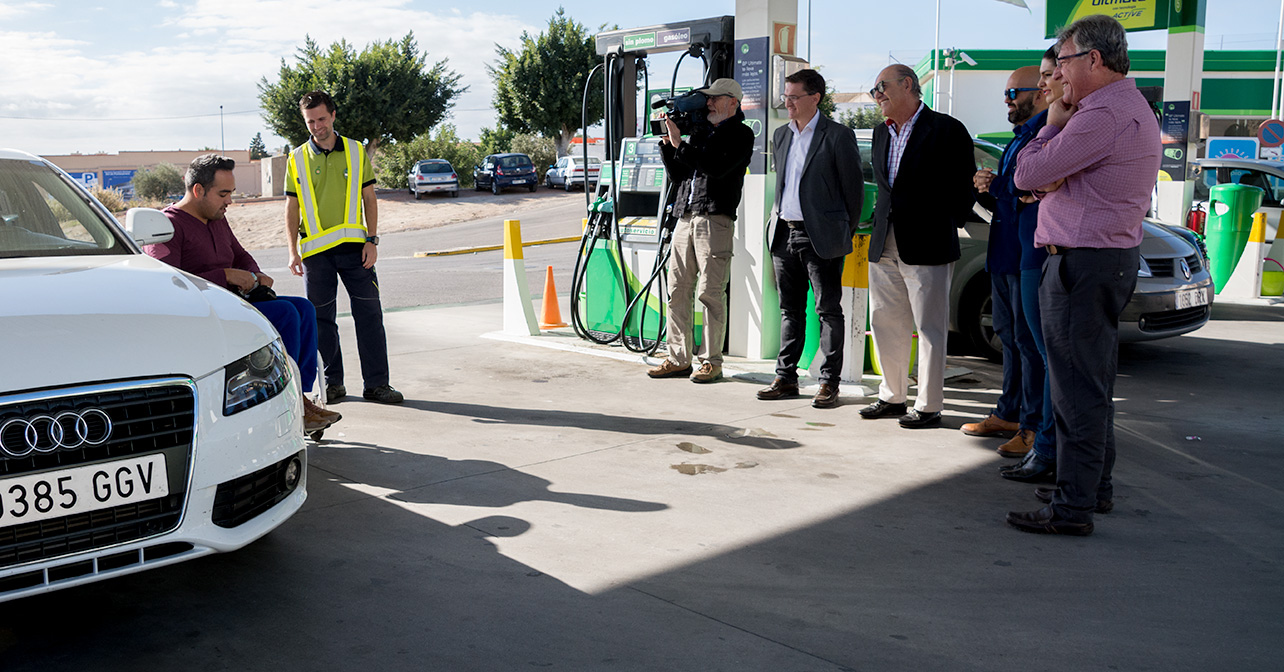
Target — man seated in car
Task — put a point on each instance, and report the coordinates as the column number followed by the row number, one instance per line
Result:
column 204, row 245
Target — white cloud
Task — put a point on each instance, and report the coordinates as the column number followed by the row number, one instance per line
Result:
column 212, row 53
column 11, row 10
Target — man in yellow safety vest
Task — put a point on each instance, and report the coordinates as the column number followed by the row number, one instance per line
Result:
column 331, row 221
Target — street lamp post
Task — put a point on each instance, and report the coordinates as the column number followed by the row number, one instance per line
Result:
column 222, row 141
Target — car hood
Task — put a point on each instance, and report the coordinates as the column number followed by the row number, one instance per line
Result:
column 72, row 320
column 1159, row 242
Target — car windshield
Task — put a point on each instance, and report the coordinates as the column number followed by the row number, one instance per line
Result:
column 427, row 168
column 514, row 162
column 42, row 214
column 1273, row 186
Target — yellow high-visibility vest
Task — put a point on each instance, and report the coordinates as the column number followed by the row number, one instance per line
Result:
column 353, row 228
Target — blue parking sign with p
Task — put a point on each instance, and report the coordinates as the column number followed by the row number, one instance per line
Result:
column 87, row 180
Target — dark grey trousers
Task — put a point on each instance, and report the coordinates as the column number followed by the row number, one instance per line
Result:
column 1081, row 295
column 321, row 275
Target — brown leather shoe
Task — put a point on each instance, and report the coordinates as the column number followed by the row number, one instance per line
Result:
column 707, row 373
column 779, row 389
column 827, row 397
column 990, row 426
column 1018, row 445
column 669, row 369
column 311, row 409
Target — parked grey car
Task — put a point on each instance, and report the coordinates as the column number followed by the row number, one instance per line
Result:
column 1174, row 286
column 1262, row 173
column 568, row 172
column 432, row 176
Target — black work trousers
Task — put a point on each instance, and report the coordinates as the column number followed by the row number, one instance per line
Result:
column 321, row 275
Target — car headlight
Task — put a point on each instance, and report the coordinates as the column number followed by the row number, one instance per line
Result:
column 255, row 378
column 1143, row 269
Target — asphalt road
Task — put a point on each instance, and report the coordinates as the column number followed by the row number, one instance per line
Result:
column 408, row 281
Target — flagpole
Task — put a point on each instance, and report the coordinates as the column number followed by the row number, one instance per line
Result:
column 1279, row 45
column 936, row 50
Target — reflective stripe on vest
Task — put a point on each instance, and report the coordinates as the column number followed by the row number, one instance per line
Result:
column 316, row 239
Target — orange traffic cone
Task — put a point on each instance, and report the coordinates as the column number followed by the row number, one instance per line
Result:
column 552, row 315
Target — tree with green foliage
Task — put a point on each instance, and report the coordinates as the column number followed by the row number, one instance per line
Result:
column 387, row 92
column 497, row 141
column 865, row 117
column 540, row 87
column 393, row 164
column 258, row 150
column 158, row 183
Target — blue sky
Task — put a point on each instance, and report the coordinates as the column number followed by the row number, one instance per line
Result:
column 83, row 76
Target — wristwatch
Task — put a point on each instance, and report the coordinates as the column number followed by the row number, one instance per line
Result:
column 373, row 240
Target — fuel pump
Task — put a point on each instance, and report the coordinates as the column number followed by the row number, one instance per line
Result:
column 618, row 288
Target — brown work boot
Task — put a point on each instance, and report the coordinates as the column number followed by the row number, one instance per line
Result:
column 1018, row 445
column 707, row 373
column 989, row 426
column 310, row 408
column 669, row 369
column 314, row 423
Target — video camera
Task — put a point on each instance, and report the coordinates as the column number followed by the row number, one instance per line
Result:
column 688, row 111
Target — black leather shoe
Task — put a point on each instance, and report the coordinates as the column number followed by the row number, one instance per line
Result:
column 334, row 393
column 1046, row 521
column 1045, row 495
column 827, row 397
column 1033, row 470
column 779, row 389
column 881, row 409
column 384, row 394
column 917, row 419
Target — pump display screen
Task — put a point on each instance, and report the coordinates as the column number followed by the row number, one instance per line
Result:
column 642, row 169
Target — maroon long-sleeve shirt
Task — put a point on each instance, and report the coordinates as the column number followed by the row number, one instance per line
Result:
column 202, row 249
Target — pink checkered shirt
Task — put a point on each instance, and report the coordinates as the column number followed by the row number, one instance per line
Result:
column 1108, row 154
column 899, row 140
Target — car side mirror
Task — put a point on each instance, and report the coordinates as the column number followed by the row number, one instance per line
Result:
column 148, row 226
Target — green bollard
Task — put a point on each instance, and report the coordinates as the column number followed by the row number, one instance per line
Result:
column 1230, row 219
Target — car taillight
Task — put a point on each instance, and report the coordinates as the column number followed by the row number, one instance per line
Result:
column 454, row 176
column 499, row 171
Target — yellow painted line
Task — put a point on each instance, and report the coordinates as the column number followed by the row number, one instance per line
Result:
column 492, row 248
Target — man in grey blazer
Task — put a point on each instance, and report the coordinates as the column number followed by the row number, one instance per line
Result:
column 819, row 190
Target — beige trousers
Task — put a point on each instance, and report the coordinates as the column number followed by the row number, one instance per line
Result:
column 698, row 265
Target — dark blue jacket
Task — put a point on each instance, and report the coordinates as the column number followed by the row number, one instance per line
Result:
column 1011, row 248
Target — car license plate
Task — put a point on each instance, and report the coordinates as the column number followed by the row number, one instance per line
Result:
column 1192, row 298
column 66, row 492
column 519, row 181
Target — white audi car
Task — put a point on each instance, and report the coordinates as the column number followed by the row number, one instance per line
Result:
column 146, row 416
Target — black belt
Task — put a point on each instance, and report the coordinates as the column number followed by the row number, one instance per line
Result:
column 793, row 224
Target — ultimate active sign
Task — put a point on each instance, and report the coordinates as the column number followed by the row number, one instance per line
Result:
column 1135, row 15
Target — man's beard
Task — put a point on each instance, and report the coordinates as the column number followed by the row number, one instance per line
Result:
column 1022, row 112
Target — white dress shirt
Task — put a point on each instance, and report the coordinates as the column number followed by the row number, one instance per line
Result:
column 790, row 207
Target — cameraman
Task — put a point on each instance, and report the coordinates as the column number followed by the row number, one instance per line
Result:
column 709, row 170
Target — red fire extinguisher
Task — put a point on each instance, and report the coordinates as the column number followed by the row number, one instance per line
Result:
column 1196, row 219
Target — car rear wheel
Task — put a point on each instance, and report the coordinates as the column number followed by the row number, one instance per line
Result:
column 454, row 194
column 419, row 195
column 532, row 188
column 567, row 185
column 494, row 187
column 548, row 181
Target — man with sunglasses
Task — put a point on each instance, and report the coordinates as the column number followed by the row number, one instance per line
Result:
column 819, row 193
column 923, row 166
column 1019, row 409
column 1093, row 166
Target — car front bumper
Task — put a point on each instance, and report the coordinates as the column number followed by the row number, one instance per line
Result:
column 1152, row 315
column 233, row 495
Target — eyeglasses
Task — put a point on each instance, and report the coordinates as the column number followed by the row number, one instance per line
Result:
column 1011, row 94
column 881, row 87
column 792, row 99
column 1061, row 60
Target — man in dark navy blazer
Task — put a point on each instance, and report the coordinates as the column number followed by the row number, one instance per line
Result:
column 923, row 166
column 819, row 192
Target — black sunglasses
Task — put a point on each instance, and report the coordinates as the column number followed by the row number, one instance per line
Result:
column 1011, row 94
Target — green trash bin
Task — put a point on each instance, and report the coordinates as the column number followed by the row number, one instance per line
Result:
column 1230, row 219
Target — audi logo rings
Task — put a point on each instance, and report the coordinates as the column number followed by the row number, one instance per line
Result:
column 68, row 430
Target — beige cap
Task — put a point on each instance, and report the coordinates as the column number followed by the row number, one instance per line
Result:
column 724, row 87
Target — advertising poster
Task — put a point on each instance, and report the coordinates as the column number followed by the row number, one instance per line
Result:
column 751, row 72
column 1175, row 135
column 86, row 180
column 120, row 180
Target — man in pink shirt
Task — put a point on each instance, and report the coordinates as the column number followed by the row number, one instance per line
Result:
column 1094, row 165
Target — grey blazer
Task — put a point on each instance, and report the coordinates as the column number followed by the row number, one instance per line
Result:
column 831, row 191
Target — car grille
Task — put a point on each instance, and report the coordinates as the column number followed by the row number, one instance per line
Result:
column 1166, row 267
column 1174, row 319
column 147, row 417
column 241, row 499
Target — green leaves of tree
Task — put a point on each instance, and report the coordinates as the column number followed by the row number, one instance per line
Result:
column 386, row 92
column 540, row 88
